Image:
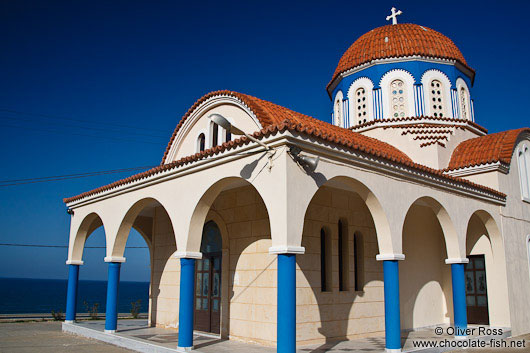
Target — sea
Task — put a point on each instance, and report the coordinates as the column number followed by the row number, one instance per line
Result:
column 23, row 295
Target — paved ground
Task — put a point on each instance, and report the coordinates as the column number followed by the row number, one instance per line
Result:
column 498, row 350
column 46, row 337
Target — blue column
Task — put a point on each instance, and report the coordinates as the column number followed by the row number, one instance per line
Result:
column 111, row 319
column 71, row 295
column 459, row 299
column 186, row 307
column 286, row 325
column 392, row 316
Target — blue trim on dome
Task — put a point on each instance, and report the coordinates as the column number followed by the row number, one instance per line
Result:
column 415, row 67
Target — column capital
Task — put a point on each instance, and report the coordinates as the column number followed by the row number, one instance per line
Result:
column 286, row 249
column 74, row 262
column 456, row 260
column 114, row 259
column 386, row 257
column 187, row 255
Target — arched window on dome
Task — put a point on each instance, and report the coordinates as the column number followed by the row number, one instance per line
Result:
column 462, row 96
column 338, row 114
column 398, row 99
column 523, row 159
column 437, row 101
column 360, row 105
column 201, row 143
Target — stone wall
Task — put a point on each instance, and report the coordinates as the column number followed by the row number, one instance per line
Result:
column 336, row 315
column 252, row 271
column 165, row 274
column 249, row 285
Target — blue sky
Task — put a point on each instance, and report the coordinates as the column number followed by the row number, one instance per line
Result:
column 141, row 64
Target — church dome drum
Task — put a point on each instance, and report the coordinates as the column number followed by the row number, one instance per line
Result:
column 401, row 71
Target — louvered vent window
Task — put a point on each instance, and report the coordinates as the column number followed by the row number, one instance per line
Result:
column 437, row 98
column 361, row 109
column 398, row 99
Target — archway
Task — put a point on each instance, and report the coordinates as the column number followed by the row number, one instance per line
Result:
column 248, row 271
column 425, row 280
column 148, row 219
column 88, row 249
column 88, row 225
column 339, row 295
column 486, row 282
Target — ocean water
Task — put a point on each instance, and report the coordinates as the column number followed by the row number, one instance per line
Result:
column 22, row 295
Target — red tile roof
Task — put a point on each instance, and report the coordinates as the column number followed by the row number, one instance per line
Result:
column 268, row 114
column 397, row 41
column 497, row 147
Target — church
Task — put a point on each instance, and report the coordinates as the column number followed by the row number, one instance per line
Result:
column 274, row 228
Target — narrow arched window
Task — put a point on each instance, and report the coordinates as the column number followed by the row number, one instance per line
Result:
column 398, row 99
column 526, row 152
column 523, row 159
column 201, row 143
column 338, row 113
column 344, row 278
column 325, row 261
column 437, row 99
column 361, row 107
column 463, row 103
column 358, row 261
column 215, row 134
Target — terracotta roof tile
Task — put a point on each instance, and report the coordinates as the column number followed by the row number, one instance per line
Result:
column 396, row 41
column 497, row 147
column 269, row 113
column 296, row 123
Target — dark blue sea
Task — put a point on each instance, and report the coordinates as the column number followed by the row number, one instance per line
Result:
column 22, row 295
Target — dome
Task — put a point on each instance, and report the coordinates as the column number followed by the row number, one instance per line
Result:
column 396, row 41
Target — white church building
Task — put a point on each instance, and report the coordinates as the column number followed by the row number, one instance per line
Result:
column 271, row 227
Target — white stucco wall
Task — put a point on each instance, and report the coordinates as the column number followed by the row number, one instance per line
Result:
column 515, row 228
column 185, row 143
column 434, row 156
column 189, row 192
column 425, row 279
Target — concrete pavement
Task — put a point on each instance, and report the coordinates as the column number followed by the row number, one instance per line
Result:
column 47, row 337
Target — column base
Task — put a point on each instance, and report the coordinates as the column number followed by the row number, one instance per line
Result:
column 110, row 331
column 393, row 350
column 460, row 338
column 69, row 321
column 185, row 349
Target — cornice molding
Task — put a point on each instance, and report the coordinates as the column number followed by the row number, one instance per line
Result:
column 374, row 124
column 323, row 149
column 479, row 169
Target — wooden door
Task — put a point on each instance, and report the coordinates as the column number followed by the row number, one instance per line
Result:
column 208, row 293
column 476, row 290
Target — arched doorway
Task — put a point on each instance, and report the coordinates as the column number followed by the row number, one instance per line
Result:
column 208, row 281
column 485, row 274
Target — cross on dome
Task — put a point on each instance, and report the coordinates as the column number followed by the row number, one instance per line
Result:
column 394, row 15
